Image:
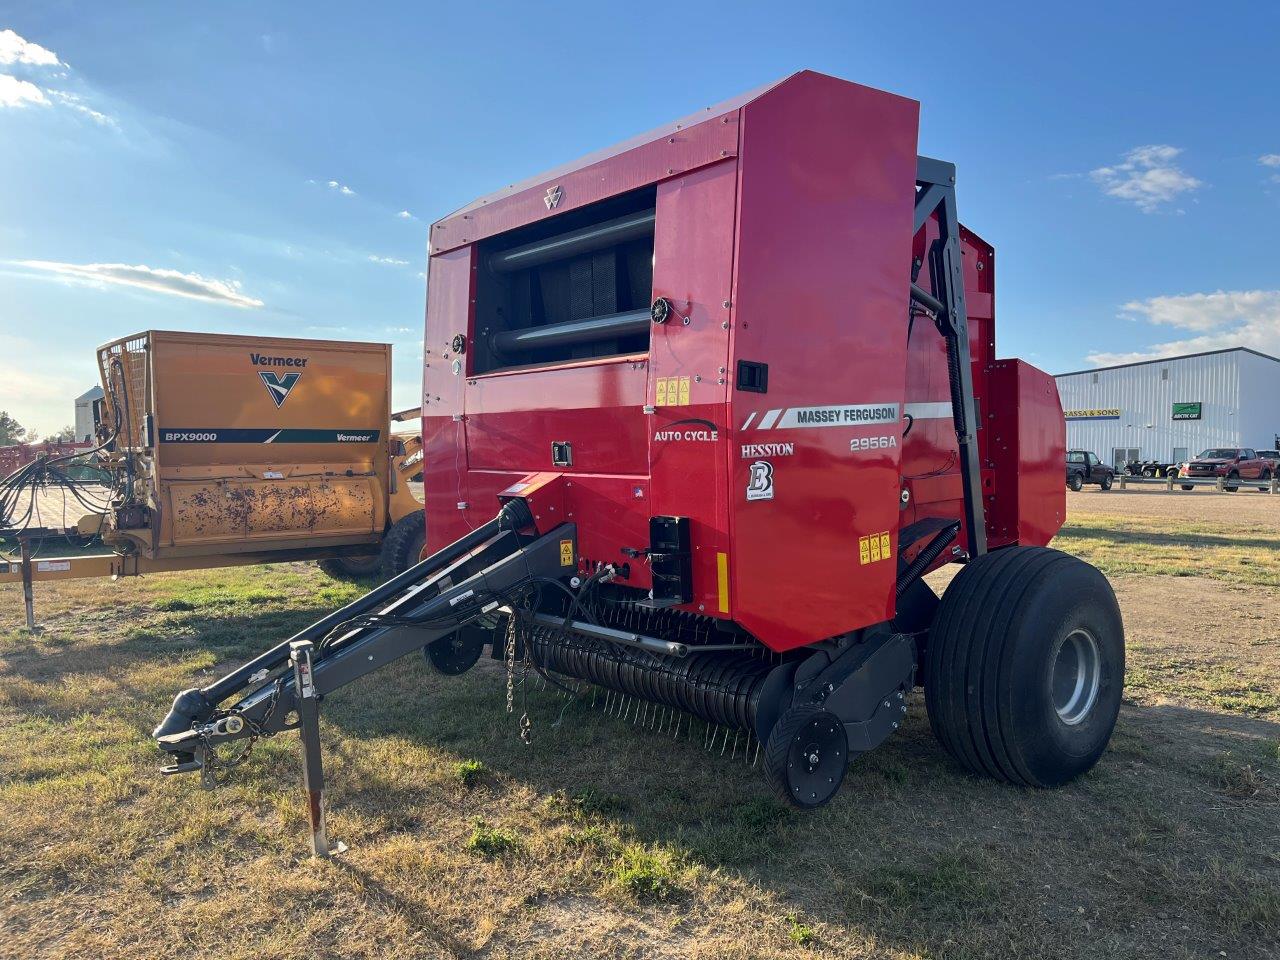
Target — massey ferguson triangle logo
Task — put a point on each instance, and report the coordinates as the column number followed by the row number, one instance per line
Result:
column 552, row 199
column 279, row 386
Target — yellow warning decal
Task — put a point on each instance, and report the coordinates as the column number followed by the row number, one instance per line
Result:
column 671, row 391
column 722, row 580
column 874, row 548
column 566, row 553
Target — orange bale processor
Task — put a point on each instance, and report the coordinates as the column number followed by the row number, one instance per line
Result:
column 261, row 442
column 225, row 450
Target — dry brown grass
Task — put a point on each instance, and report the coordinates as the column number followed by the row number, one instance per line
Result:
column 601, row 840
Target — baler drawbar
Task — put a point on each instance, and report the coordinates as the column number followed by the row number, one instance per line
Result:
column 732, row 388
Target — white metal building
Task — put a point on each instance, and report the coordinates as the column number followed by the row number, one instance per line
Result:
column 1173, row 408
column 84, row 413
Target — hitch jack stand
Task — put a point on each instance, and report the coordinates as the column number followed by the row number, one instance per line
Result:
column 28, row 592
column 300, row 653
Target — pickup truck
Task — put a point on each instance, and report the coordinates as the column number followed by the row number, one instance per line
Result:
column 1083, row 466
column 1231, row 463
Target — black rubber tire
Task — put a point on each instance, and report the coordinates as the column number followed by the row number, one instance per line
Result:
column 1076, row 482
column 1230, row 477
column 402, row 546
column 1149, row 472
column 1187, row 486
column 1265, row 478
column 352, row 568
column 990, row 665
column 777, row 754
column 1106, row 481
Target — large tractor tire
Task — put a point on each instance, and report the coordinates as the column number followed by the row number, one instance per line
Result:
column 1025, row 666
column 402, row 546
column 352, row 568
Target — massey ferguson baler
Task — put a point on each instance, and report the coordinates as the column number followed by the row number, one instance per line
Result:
column 699, row 413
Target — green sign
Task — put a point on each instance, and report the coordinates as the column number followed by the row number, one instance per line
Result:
column 1186, row 411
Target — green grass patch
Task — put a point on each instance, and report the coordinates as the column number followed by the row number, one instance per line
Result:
column 468, row 772
column 1155, row 547
column 645, row 874
column 492, row 842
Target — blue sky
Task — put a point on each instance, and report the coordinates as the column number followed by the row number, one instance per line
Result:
column 272, row 168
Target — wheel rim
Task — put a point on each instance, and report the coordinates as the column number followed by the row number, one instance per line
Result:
column 1077, row 674
column 816, row 760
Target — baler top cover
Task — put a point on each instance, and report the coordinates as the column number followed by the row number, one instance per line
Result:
column 784, row 402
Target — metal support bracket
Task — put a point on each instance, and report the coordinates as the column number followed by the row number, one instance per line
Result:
column 936, row 193
column 308, row 706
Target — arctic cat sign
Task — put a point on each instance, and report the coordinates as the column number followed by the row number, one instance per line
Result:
column 1186, row 411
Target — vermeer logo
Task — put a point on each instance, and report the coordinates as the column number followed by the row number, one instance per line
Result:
column 278, row 386
column 262, row 360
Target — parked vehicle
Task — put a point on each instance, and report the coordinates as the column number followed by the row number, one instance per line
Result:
column 1150, row 468
column 1083, row 466
column 1231, row 463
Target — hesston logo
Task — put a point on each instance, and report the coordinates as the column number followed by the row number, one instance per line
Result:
column 706, row 432
column 753, row 450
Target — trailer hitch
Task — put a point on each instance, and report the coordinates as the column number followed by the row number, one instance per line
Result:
column 282, row 688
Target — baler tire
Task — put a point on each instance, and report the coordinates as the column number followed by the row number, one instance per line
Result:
column 992, row 661
column 777, row 755
column 352, row 568
column 1076, row 482
column 402, row 546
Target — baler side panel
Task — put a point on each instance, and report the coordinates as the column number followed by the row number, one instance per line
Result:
column 824, row 235
column 444, row 450
column 688, row 436
column 1028, row 444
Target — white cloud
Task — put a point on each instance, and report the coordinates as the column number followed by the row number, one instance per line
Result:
column 389, row 261
column 342, row 188
column 1271, row 160
column 20, row 93
column 15, row 49
column 77, row 104
column 406, row 215
column 1223, row 319
column 189, row 285
column 1147, row 177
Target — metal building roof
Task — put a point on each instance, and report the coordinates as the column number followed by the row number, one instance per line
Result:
column 1183, row 356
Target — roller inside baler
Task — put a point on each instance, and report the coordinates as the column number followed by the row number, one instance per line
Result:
column 731, row 389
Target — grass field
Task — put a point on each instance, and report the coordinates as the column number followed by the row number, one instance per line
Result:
column 603, row 840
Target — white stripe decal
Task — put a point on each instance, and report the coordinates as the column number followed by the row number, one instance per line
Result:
column 769, row 419
column 273, row 436
column 751, row 416
column 928, row 411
